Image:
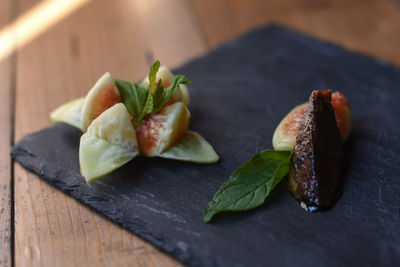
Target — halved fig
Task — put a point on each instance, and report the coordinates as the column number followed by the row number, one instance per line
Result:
column 109, row 142
column 161, row 130
column 317, row 156
column 285, row 134
column 69, row 113
column 166, row 76
column 103, row 95
column 192, row 147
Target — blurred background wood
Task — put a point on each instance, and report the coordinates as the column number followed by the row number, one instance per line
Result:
column 6, row 85
column 124, row 37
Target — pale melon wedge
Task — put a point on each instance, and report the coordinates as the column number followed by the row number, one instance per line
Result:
column 69, row 113
column 109, row 143
column 103, row 95
column 192, row 147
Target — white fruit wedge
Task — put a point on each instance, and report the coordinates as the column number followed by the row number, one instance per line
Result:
column 161, row 130
column 69, row 113
column 285, row 134
column 192, row 147
column 109, row 143
column 103, row 95
column 166, row 76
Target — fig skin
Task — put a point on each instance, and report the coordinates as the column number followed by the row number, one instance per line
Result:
column 103, row 95
column 284, row 137
column 161, row 130
column 342, row 114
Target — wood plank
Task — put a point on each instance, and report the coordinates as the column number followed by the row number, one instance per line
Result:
column 370, row 27
column 5, row 144
column 52, row 229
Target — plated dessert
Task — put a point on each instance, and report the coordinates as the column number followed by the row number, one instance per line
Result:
column 308, row 146
column 121, row 120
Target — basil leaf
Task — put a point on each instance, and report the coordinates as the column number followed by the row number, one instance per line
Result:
column 250, row 185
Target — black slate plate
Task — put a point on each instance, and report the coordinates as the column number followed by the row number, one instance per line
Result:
column 240, row 93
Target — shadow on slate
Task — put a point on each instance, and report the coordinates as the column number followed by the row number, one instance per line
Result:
column 240, row 93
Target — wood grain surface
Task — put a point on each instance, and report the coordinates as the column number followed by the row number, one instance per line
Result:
column 6, row 85
column 124, row 37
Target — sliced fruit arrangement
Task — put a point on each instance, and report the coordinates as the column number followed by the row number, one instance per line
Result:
column 285, row 134
column 122, row 120
column 308, row 147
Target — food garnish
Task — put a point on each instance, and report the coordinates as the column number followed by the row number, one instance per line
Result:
column 308, row 142
column 250, row 185
column 121, row 120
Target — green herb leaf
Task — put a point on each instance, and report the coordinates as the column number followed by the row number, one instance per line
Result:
column 158, row 95
column 250, row 185
column 134, row 98
column 153, row 74
column 140, row 100
column 162, row 95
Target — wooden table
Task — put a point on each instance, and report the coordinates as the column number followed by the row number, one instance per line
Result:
column 53, row 51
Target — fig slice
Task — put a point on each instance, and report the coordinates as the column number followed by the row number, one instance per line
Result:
column 342, row 114
column 109, row 143
column 192, row 147
column 285, row 134
column 103, row 95
column 166, row 76
column 284, row 137
column 317, row 157
column 161, row 130
column 69, row 113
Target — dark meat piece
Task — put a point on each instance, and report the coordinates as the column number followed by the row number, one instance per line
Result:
column 317, row 157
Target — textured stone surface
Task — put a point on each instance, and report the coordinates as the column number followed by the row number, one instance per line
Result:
column 240, row 93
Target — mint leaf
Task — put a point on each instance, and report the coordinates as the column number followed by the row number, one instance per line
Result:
column 140, row 100
column 134, row 98
column 152, row 75
column 149, row 107
column 162, row 96
column 250, row 185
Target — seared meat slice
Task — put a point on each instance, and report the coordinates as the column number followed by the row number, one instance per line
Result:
column 317, row 157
